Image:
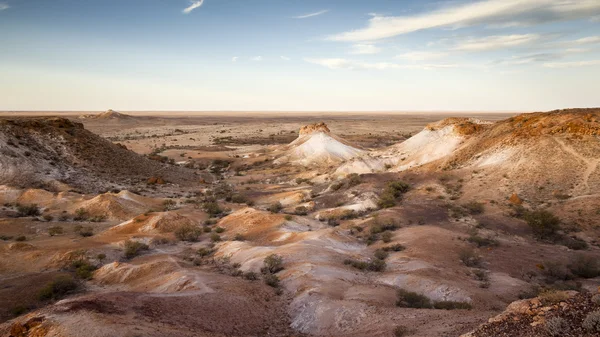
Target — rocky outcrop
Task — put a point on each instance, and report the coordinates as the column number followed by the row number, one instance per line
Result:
column 316, row 127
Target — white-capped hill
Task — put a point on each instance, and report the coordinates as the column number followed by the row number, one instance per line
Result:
column 316, row 145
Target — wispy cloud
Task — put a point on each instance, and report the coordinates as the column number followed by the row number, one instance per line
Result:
column 487, row 12
column 421, row 55
column 496, row 42
column 285, row 58
column 340, row 63
column 572, row 64
column 257, row 58
column 234, row 59
column 310, row 15
column 193, row 5
column 365, row 49
column 3, row 6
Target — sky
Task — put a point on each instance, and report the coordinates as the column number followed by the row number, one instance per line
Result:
column 299, row 55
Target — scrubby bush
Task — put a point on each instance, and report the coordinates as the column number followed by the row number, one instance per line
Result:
column 271, row 280
column 275, row 207
column 187, row 232
column 18, row 310
column 386, row 237
column 28, row 210
column 353, row 179
column 101, row 257
column 214, row 237
column 394, row 248
column 207, row 229
column 381, row 254
column 21, row 238
column 134, row 248
column 83, row 269
column 219, row 230
column 239, row 199
column 393, row 191
column 250, row 275
column 239, row 237
column 376, row 265
column 212, row 208
column 86, row 231
column 554, row 271
column 288, row 217
column 203, row 252
column 301, row 210
column 592, row 322
column 482, row 242
column 452, row 305
column 474, row 207
column 409, row 299
column 80, row 214
column 543, row 224
column 58, row 288
column 585, row 266
column 550, row 297
column 273, row 264
column 574, row 243
column 557, row 326
column 470, row 258
column 401, row 331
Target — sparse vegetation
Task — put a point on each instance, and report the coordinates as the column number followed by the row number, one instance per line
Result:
column 134, row 248
column 543, row 224
column 591, row 323
column 83, row 269
column 28, row 210
column 557, row 326
column 214, row 237
column 60, row 287
column 275, row 207
column 271, row 280
column 393, row 192
column 409, row 299
column 470, row 258
column 273, row 264
column 187, row 232
column 474, row 207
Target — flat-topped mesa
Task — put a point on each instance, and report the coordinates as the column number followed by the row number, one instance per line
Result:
column 316, row 127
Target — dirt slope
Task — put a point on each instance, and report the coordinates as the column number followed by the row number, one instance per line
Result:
column 54, row 152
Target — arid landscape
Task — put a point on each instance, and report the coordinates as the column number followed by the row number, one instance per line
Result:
column 300, row 224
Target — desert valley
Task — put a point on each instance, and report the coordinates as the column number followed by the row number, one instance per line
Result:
column 300, row 224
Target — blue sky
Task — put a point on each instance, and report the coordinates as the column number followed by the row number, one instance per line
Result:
column 341, row 55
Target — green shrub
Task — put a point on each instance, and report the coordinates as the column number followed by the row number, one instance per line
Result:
column 134, row 248
column 101, row 257
column 543, row 224
column 203, row 252
column 80, row 214
column 353, row 179
column 212, row 208
column 187, row 232
column 28, row 210
column 55, row 230
column 83, row 269
column 239, row 199
column 271, row 280
column 219, row 230
column 356, row 264
column 250, row 275
column 214, row 237
column 207, row 229
column 273, row 264
column 381, row 254
column 275, row 208
column 470, row 258
column 58, row 288
column 393, row 191
column 376, row 265
column 409, row 299
column 288, row 217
